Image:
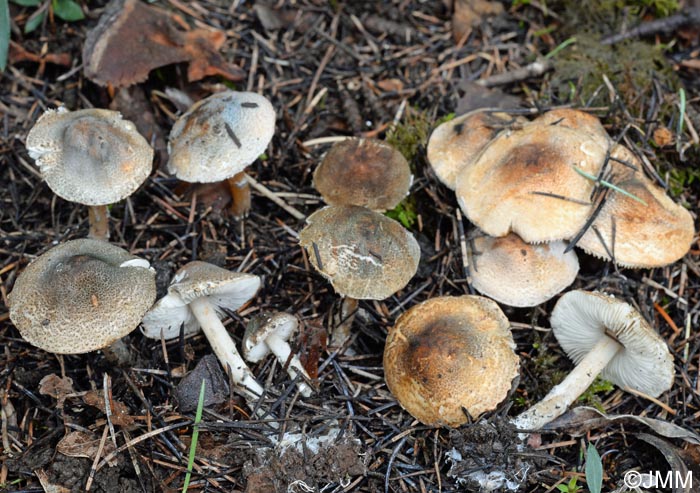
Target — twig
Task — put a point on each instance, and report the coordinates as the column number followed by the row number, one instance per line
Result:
column 264, row 191
column 666, row 25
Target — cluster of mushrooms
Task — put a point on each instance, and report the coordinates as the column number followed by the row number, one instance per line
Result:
column 87, row 294
column 534, row 189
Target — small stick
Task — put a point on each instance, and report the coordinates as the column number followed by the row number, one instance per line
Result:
column 264, row 191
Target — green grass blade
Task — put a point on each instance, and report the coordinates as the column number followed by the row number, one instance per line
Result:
column 195, row 437
column 4, row 33
column 681, row 117
column 609, row 185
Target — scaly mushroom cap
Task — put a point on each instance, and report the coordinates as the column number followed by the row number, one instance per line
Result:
column 92, row 157
column 450, row 353
column 364, row 172
column 284, row 325
column 220, row 135
column 574, row 120
column 581, row 318
column 638, row 235
column 458, row 142
column 506, row 188
column 363, row 254
column 521, row 274
column 221, row 287
column 81, row 296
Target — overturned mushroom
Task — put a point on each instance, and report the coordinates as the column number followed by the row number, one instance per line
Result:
column 218, row 137
column 92, row 157
column 196, row 296
column 81, row 296
column 267, row 333
column 605, row 336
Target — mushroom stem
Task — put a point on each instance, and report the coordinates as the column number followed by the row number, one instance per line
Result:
column 224, row 348
column 341, row 331
column 280, row 348
column 240, row 194
column 555, row 403
column 99, row 222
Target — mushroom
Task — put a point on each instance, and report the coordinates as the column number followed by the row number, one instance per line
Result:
column 577, row 120
column 364, row 255
column 605, row 336
column 196, row 298
column 269, row 332
column 450, row 354
column 363, row 172
column 218, row 137
column 519, row 274
column 458, row 142
column 92, row 157
column 80, row 296
column 632, row 234
column 524, row 181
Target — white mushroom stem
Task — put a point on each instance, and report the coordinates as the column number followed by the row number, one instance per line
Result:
column 280, row 348
column 342, row 330
column 224, row 347
column 557, row 401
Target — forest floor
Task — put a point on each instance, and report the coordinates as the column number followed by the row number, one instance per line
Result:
column 389, row 70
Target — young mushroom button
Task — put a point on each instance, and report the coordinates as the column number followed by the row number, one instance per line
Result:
column 603, row 336
column 267, row 333
column 196, row 296
column 450, row 354
column 81, row 296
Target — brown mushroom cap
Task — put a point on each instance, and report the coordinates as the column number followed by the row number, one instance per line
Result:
column 364, row 172
column 91, row 156
column 450, row 353
column 574, row 120
column 458, row 142
column 502, row 191
column 220, row 135
column 521, row 274
column 81, row 296
column 363, row 254
column 638, row 235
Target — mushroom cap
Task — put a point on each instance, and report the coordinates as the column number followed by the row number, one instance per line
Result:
column 502, row 190
column 449, row 353
column 581, row 318
column 221, row 287
column 363, row 254
column 575, row 120
column 220, row 135
column 365, row 172
column 284, row 325
column 92, row 156
column 81, row 296
column 457, row 143
column 638, row 235
column 520, row 274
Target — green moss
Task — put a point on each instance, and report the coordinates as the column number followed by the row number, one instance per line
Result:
column 405, row 212
column 590, row 396
column 410, row 133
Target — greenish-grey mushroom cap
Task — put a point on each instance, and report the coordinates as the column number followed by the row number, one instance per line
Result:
column 81, row 296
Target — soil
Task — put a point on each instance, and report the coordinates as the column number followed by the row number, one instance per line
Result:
column 390, row 70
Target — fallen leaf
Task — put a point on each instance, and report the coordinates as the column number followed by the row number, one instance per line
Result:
column 390, row 85
column 57, row 387
column 215, row 391
column 47, row 485
column 474, row 96
column 83, row 444
column 470, row 13
column 120, row 413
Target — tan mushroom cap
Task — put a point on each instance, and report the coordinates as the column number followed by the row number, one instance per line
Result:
column 520, row 274
column 645, row 236
column 81, row 296
column 502, row 191
column 450, row 353
column 91, row 156
column 458, row 142
column 363, row 254
column 364, row 172
column 574, row 120
column 220, row 135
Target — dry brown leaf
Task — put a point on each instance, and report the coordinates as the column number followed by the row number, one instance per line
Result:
column 83, row 444
column 47, row 485
column 390, row 85
column 470, row 13
column 120, row 413
column 57, row 387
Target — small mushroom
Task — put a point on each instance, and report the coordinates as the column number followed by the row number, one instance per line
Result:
column 605, row 336
column 524, row 182
column 269, row 332
column 639, row 235
column 458, row 142
column 364, row 172
column 364, row 254
column 80, row 296
column 218, row 137
column 92, row 157
column 450, row 354
column 196, row 296
column 519, row 274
